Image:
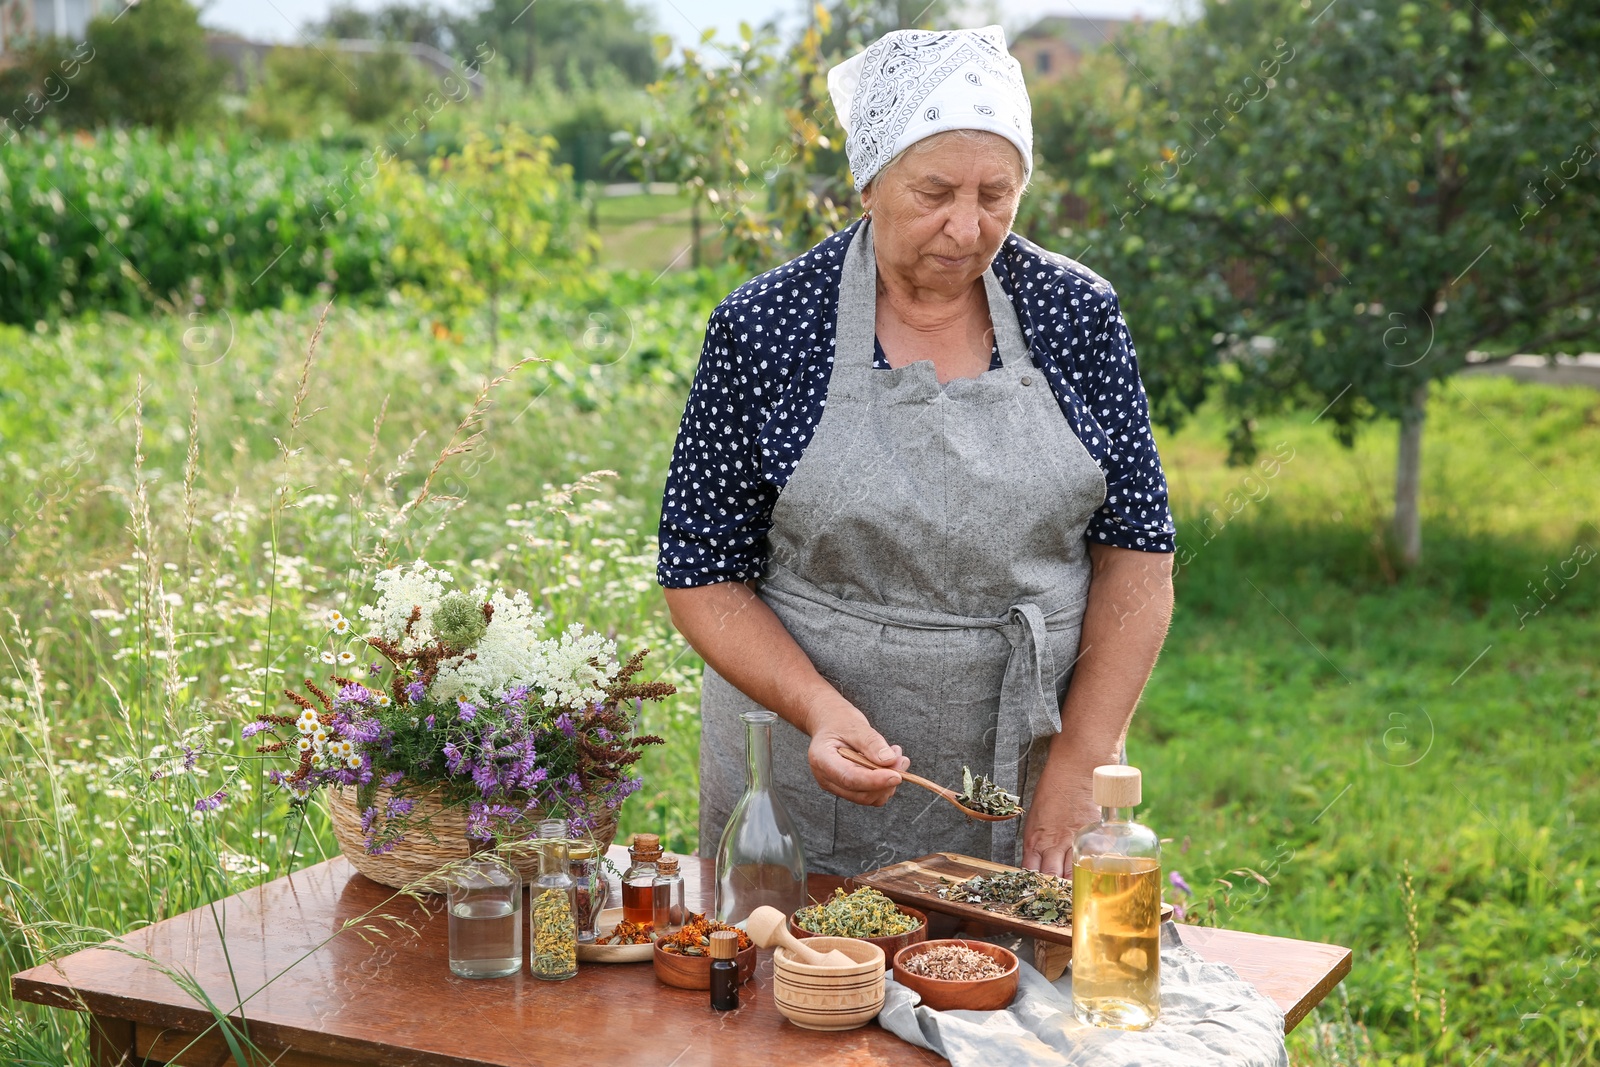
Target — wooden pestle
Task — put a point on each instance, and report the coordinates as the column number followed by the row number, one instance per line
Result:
column 769, row 928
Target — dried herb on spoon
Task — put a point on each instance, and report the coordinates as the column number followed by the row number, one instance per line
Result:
column 980, row 794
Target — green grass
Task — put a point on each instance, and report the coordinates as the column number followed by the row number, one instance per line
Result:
column 1316, row 716
column 640, row 207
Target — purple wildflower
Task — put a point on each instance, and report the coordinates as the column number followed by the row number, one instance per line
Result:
column 399, row 807
column 415, row 692
column 428, row 722
column 517, row 694
column 355, row 694
column 368, row 818
column 565, row 724
column 392, row 779
column 212, row 802
column 453, row 759
column 362, row 731
column 1179, row 884
column 253, row 728
column 466, row 712
column 190, row 756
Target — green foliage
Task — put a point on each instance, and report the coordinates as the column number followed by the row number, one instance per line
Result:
column 150, row 67
column 122, row 220
column 571, row 39
column 301, row 88
column 1324, row 186
column 499, row 217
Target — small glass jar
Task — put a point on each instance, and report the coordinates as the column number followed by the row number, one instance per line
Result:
column 639, row 880
column 484, row 900
column 667, row 916
column 552, row 908
column 589, row 885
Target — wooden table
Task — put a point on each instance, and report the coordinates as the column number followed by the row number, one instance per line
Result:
column 317, row 993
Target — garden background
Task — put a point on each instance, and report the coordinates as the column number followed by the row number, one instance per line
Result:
column 265, row 329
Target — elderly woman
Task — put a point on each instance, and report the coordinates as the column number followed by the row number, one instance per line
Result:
column 915, row 507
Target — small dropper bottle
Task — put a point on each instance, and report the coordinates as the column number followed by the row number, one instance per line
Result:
column 1116, row 910
column 724, row 970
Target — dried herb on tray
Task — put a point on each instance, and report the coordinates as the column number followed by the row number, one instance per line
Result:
column 1040, row 898
column 627, row 933
column 953, row 963
column 695, row 938
column 980, row 794
column 864, row 913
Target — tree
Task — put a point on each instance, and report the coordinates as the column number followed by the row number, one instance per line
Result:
column 150, row 67
column 565, row 37
column 498, row 218
column 699, row 134
column 1331, row 207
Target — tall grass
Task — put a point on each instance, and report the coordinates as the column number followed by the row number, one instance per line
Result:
column 174, row 523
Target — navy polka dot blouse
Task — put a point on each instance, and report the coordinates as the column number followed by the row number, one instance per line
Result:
column 763, row 379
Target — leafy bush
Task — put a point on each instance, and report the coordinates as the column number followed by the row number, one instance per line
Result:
column 122, row 220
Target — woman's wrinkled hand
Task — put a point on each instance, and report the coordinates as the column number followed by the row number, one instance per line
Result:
column 1052, row 823
column 840, row 776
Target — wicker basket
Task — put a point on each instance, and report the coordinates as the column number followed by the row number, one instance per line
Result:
column 438, row 837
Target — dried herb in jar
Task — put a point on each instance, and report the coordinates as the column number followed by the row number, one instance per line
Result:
column 864, row 913
column 1040, row 898
column 555, row 935
column 695, row 937
column 980, row 794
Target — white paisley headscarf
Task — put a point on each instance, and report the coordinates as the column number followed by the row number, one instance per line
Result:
column 912, row 84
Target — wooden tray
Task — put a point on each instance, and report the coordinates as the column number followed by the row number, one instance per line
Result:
column 592, row 953
column 903, row 883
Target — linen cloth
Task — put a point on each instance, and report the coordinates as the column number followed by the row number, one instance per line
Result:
column 912, row 84
column 1209, row 1016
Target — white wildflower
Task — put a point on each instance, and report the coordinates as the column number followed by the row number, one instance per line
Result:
column 510, row 653
column 400, row 592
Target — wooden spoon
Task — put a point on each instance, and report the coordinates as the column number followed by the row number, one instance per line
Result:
column 949, row 794
column 768, row 927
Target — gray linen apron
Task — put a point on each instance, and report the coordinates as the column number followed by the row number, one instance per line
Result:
column 928, row 554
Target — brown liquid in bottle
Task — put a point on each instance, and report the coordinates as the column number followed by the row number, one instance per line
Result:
column 638, row 901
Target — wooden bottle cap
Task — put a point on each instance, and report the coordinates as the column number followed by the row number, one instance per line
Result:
column 645, row 845
column 668, row 865
column 724, row 945
column 1116, row 786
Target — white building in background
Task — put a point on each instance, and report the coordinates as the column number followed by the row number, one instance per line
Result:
column 22, row 19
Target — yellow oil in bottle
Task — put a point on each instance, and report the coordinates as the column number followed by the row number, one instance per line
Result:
column 1116, row 957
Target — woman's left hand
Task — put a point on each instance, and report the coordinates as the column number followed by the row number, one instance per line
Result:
column 1062, row 805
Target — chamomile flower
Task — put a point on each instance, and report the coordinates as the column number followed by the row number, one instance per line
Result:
column 308, row 721
column 305, row 744
column 347, row 657
column 382, row 700
column 329, row 657
column 354, row 763
column 336, row 616
column 341, row 626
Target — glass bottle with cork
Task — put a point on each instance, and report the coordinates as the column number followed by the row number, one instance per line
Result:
column 552, row 906
column 724, row 970
column 668, row 916
column 1116, row 910
column 639, row 880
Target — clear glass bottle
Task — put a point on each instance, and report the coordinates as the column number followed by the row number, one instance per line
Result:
column 639, row 880
column 589, row 885
column 552, row 908
column 668, row 914
column 761, row 859
column 484, row 903
column 1116, row 910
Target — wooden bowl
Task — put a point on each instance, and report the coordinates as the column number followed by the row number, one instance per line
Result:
column 980, row 994
column 830, row 998
column 694, row 972
column 891, row 945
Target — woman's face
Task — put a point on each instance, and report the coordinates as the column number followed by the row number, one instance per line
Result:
column 941, row 210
